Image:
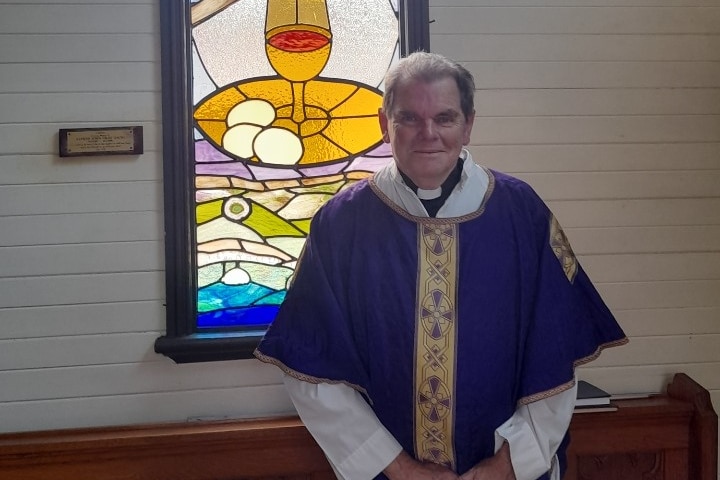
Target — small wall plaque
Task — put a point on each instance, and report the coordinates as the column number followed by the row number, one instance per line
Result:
column 77, row 142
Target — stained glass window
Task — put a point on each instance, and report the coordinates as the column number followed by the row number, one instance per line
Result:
column 281, row 101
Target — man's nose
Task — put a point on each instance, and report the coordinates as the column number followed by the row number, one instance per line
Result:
column 428, row 128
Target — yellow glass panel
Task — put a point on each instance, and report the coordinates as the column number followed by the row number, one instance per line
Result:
column 362, row 102
column 312, row 127
column 287, row 124
column 217, row 107
column 319, row 149
column 276, row 91
column 328, row 94
column 355, row 134
column 214, row 129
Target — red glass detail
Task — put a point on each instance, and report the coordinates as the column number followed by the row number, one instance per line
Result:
column 298, row 41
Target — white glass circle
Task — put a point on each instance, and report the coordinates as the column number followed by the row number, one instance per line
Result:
column 238, row 140
column 255, row 112
column 278, row 146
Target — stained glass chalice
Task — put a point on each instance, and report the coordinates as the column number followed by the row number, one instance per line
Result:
column 296, row 118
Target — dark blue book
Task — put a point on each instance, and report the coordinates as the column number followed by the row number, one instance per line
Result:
column 588, row 395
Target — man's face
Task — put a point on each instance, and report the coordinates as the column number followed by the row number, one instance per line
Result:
column 426, row 129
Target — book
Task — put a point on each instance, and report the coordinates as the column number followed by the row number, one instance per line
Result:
column 589, row 395
column 596, row 408
column 632, row 396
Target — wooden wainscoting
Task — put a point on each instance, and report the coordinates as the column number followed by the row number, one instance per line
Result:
column 272, row 448
column 667, row 437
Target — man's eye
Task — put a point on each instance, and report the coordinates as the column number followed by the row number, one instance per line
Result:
column 408, row 119
column 445, row 120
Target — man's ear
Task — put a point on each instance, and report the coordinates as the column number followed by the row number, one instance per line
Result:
column 382, row 118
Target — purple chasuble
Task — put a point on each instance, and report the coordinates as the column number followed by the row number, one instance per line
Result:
column 451, row 322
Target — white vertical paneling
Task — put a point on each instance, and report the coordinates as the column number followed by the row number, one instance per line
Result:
column 610, row 110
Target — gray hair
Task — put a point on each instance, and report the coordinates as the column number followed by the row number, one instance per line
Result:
column 429, row 67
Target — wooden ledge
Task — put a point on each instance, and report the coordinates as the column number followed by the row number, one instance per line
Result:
column 253, row 449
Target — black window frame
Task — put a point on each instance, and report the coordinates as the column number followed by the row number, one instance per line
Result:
column 182, row 342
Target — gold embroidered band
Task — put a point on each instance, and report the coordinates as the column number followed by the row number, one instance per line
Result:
column 561, row 248
column 435, row 343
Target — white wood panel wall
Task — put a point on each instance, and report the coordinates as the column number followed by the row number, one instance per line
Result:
column 609, row 108
column 81, row 251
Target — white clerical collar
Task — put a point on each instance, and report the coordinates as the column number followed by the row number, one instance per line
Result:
column 429, row 194
column 466, row 198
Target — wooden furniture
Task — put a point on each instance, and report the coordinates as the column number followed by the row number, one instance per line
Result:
column 669, row 437
column 279, row 448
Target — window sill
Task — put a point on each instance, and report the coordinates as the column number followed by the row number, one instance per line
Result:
column 209, row 347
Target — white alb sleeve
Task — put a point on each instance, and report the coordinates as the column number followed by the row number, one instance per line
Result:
column 535, row 432
column 354, row 441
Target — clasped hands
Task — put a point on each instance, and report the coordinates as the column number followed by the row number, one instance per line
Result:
column 497, row 467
